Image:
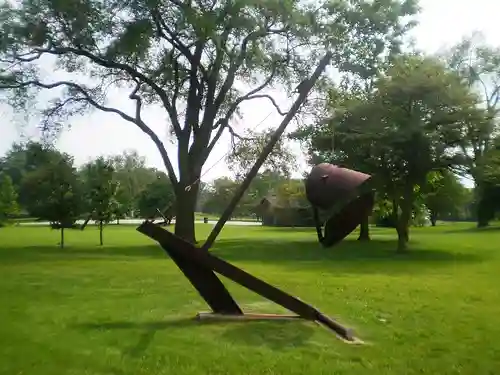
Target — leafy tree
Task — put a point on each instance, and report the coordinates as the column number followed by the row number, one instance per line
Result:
column 356, row 85
column 8, row 198
column 245, row 152
column 263, row 185
column 479, row 66
column 100, row 190
column 157, row 195
column 407, row 128
column 133, row 177
column 194, row 59
column 444, row 196
column 55, row 194
column 24, row 158
column 291, row 193
column 221, row 192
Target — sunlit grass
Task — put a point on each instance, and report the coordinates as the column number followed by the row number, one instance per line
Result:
column 126, row 309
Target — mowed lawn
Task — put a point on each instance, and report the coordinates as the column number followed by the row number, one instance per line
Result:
column 126, row 309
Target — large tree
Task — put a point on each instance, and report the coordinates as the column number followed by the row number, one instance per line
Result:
column 478, row 63
column 406, row 129
column 198, row 60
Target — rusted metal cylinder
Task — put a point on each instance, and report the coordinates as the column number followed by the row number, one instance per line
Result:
column 327, row 185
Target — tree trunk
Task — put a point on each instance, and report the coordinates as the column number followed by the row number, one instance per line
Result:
column 185, row 207
column 100, row 233
column 86, row 222
column 433, row 218
column 364, row 230
column 403, row 227
column 62, row 237
column 483, row 209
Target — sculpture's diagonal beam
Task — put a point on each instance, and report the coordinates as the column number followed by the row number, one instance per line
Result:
column 206, row 260
column 204, row 280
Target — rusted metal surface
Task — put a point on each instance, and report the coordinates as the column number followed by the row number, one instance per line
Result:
column 339, row 226
column 328, row 183
column 198, row 259
column 329, row 186
column 205, row 281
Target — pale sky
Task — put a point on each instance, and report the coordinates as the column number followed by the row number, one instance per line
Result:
column 442, row 23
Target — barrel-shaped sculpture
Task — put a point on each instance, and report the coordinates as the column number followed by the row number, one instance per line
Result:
column 331, row 187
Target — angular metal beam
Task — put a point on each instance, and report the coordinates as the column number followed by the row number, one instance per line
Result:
column 204, row 259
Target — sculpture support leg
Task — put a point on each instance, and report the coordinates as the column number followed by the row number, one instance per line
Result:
column 208, row 285
column 205, row 260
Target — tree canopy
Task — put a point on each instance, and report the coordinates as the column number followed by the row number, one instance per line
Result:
column 8, row 198
column 198, row 60
column 55, row 194
column 407, row 127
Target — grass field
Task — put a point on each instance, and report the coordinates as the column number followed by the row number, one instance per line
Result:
column 126, row 309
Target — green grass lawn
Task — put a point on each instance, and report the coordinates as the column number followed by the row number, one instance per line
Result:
column 126, row 309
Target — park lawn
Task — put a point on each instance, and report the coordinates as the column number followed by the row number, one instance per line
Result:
column 126, row 309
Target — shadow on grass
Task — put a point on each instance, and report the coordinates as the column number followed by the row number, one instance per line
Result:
column 379, row 255
column 273, row 334
column 79, row 252
column 350, row 256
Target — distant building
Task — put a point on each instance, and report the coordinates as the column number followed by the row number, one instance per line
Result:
column 291, row 214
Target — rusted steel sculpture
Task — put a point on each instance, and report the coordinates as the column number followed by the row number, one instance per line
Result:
column 344, row 194
column 199, row 265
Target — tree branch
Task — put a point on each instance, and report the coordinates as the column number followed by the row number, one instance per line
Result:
column 59, row 51
column 249, row 96
column 174, row 40
column 87, row 97
column 235, row 65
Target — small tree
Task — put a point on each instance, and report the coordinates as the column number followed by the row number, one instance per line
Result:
column 101, row 188
column 55, row 194
column 157, row 195
column 444, row 196
column 8, row 198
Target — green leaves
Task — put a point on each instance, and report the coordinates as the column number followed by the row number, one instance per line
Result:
column 248, row 148
column 159, row 194
column 8, row 198
column 101, row 188
column 54, row 192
